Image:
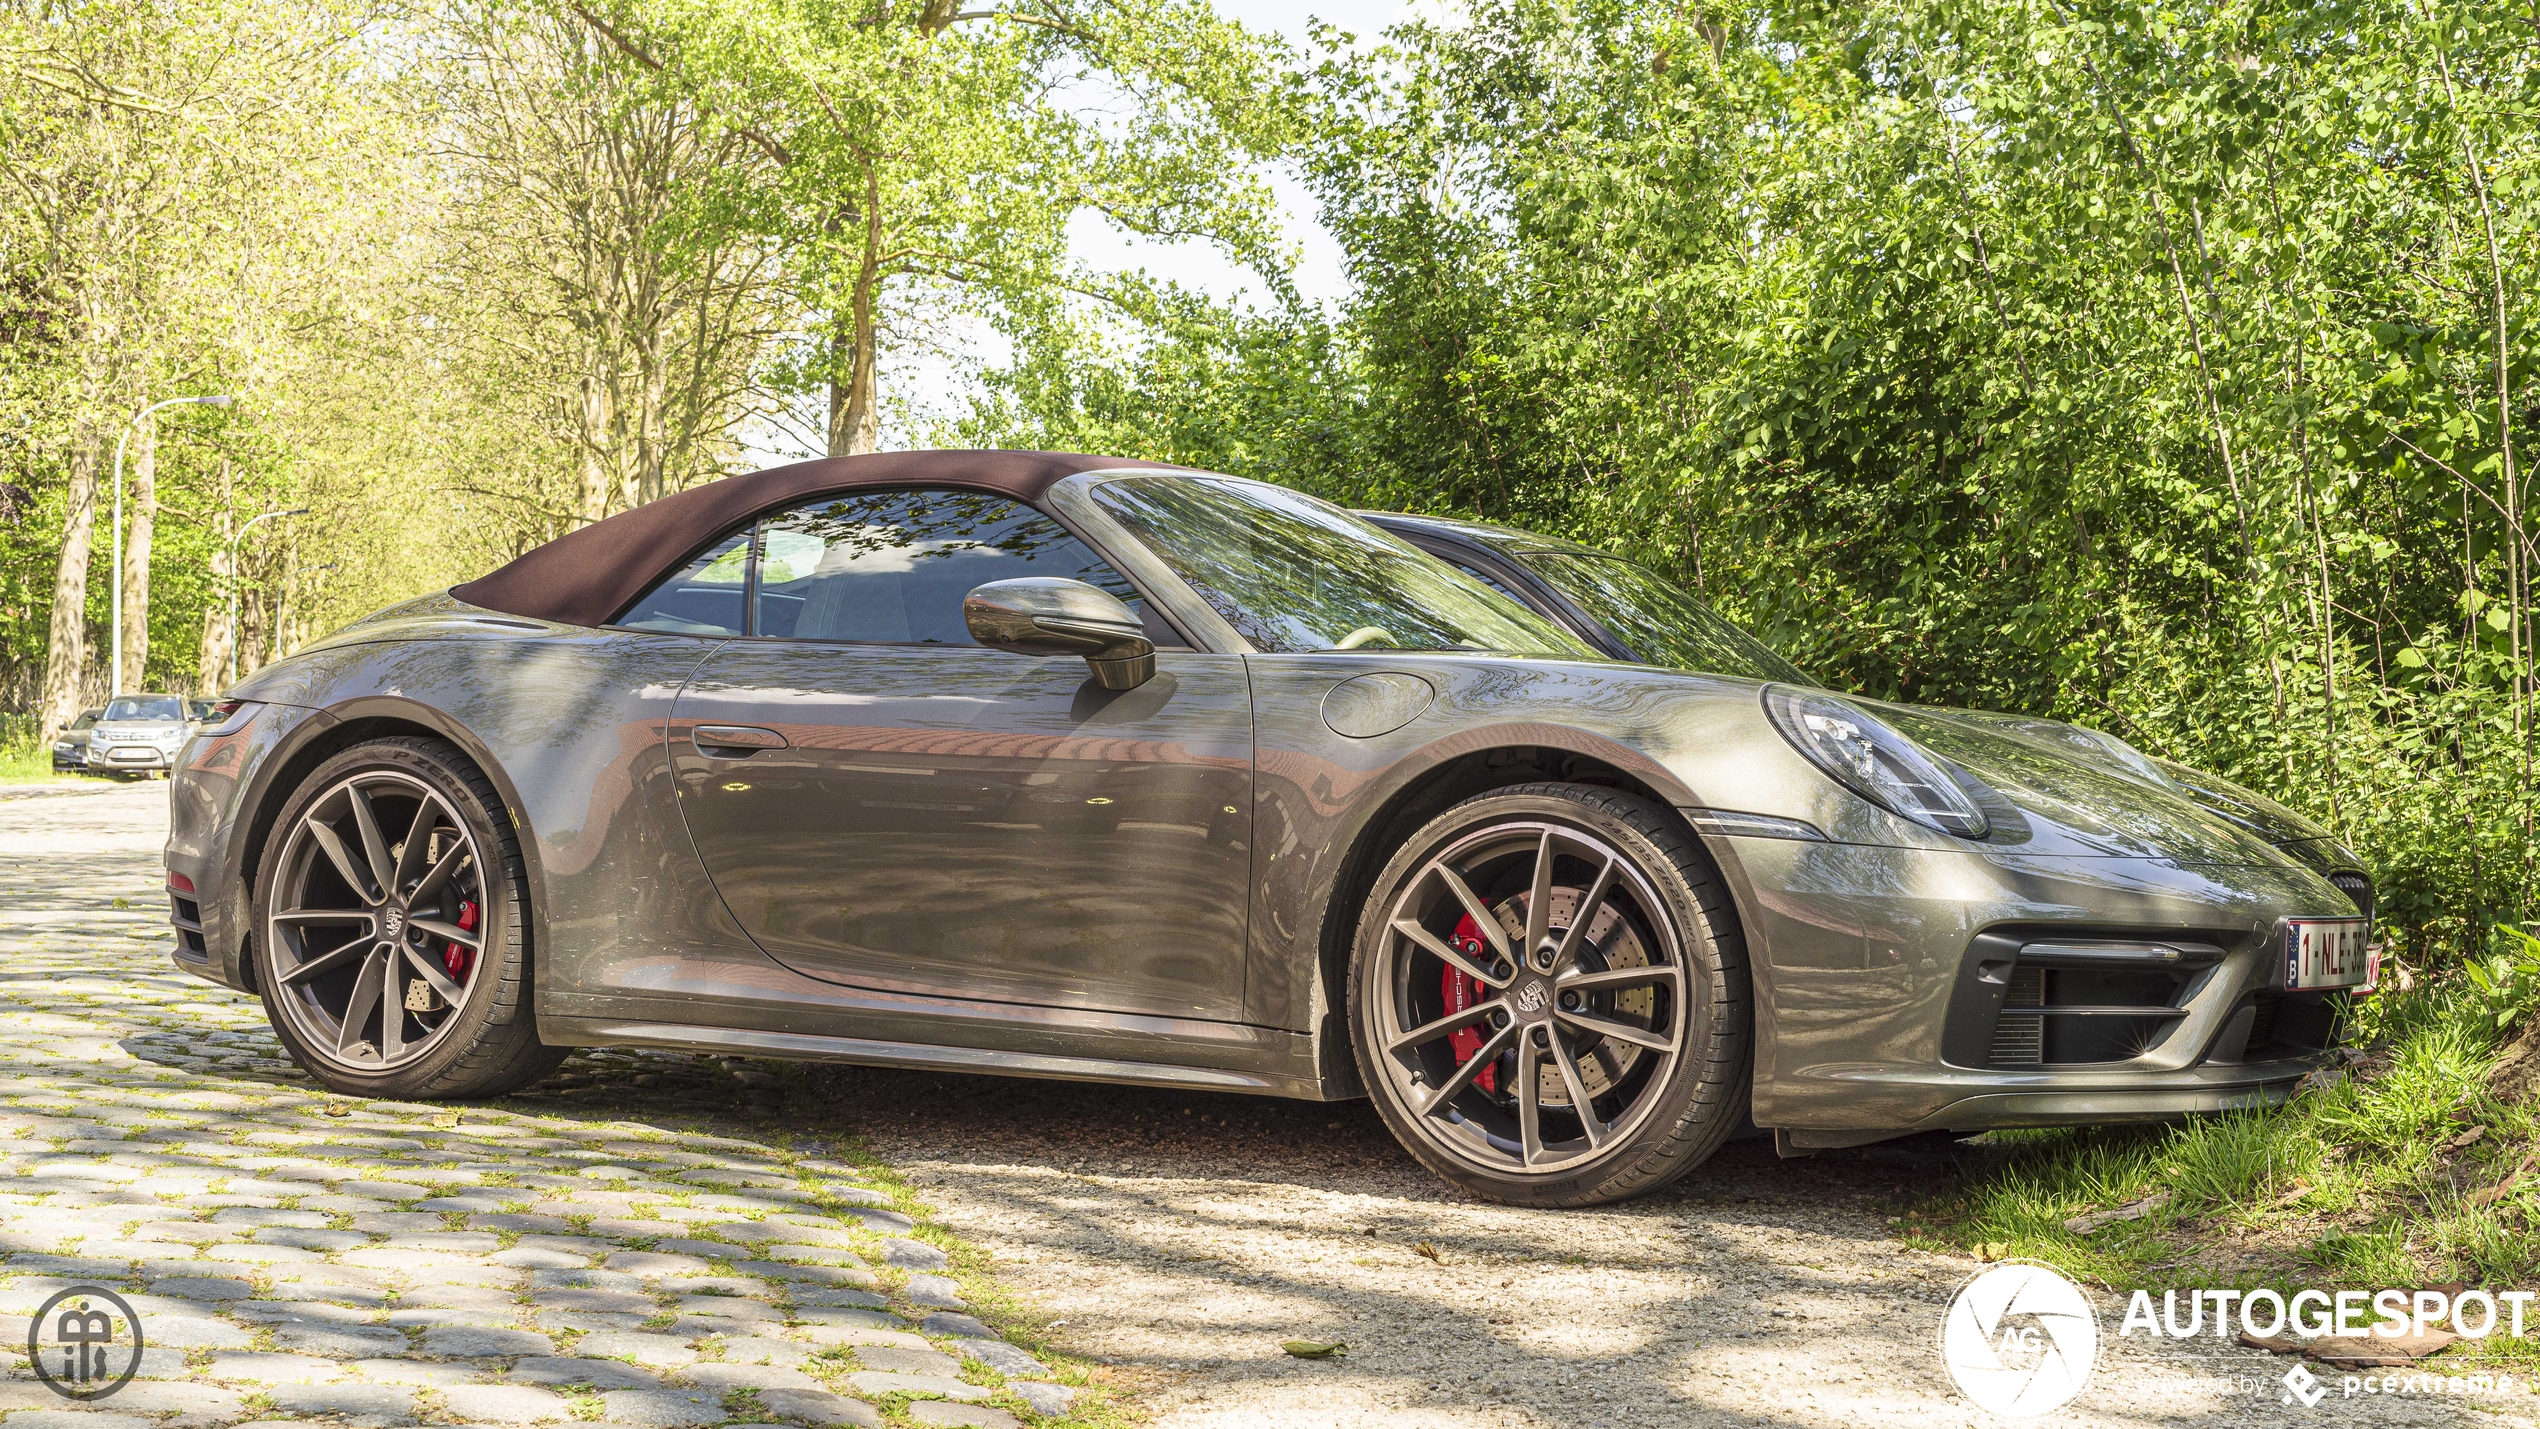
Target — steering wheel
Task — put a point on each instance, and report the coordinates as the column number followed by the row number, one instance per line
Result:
column 1365, row 635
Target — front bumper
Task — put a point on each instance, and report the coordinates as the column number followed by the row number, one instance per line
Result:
column 131, row 756
column 1866, row 961
column 218, row 784
column 1988, row 1100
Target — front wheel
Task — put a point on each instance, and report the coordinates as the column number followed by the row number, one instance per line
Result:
column 390, row 913
column 1548, row 996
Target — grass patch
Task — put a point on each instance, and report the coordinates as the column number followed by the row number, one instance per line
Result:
column 24, row 757
column 1097, row 1405
column 2371, row 1182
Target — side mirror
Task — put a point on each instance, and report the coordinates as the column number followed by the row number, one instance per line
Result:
column 1050, row 615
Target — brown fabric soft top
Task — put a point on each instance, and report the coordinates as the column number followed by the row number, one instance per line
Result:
column 584, row 577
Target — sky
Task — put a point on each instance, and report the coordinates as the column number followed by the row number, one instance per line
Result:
column 1193, row 264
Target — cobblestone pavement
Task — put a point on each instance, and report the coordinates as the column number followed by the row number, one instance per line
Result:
column 591, row 1251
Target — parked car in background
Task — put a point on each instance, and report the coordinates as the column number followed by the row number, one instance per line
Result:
column 201, row 712
column 70, row 747
column 139, row 734
column 1070, row 766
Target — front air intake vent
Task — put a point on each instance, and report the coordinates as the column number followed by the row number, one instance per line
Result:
column 2262, row 1025
column 2019, row 1038
column 2071, row 997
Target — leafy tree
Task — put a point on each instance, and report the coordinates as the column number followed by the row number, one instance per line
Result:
column 2163, row 369
column 926, row 161
column 604, row 309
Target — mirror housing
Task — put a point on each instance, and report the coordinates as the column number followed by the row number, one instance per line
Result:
column 1051, row 615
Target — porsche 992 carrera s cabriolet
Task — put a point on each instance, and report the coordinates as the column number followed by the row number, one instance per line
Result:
column 1068, row 766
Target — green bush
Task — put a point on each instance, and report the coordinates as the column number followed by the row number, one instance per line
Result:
column 24, row 757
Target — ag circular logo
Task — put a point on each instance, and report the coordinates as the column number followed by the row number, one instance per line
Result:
column 2020, row 1339
column 74, row 1347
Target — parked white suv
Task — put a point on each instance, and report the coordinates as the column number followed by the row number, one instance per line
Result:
column 139, row 734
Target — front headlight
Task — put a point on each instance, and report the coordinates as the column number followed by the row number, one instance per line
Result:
column 1872, row 760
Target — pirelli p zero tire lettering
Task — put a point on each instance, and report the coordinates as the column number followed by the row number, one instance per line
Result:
column 391, row 928
column 1548, row 997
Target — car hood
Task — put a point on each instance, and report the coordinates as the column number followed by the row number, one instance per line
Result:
column 2060, row 789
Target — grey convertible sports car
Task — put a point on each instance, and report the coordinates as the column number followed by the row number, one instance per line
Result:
column 1068, row 766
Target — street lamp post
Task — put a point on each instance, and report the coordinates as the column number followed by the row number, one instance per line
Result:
column 241, row 535
column 114, row 583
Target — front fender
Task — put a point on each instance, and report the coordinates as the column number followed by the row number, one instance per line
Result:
column 568, row 726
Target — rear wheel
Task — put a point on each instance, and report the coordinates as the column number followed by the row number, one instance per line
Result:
column 1549, row 997
column 390, row 910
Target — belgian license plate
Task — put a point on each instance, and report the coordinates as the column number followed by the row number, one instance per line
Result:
column 2324, row 953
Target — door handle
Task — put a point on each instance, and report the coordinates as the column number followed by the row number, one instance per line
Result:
column 734, row 741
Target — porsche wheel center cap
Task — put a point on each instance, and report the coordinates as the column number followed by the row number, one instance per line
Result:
column 393, row 923
column 1533, row 998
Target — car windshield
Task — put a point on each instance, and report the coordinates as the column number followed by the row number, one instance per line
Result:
column 145, row 707
column 1293, row 574
column 1658, row 619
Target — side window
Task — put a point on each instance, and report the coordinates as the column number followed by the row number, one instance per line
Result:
column 892, row 566
column 707, row 596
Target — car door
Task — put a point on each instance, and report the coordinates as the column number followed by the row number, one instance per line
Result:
column 886, row 804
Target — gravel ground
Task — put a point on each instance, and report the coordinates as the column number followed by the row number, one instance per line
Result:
column 1178, row 1238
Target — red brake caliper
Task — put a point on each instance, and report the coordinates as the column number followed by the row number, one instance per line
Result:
column 456, row 958
column 1463, row 991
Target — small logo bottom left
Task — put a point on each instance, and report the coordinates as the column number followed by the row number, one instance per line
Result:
column 85, row 1343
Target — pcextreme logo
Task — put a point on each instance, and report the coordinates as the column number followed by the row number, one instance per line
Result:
column 2020, row 1339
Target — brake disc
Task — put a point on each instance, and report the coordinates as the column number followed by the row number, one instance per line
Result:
column 1612, row 942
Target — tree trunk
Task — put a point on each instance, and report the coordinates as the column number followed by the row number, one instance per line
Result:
column 252, row 629
column 855, row 408
column 864, row 400
column 212, row 667
column 841, row 389
column 66, row 649
column 142, row 501
column 278, row 629
column 592, row 501
column 652, row 433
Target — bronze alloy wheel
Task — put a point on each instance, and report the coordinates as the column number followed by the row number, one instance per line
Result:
column 1546, row 1005
column 389, row 907
column 381, row 931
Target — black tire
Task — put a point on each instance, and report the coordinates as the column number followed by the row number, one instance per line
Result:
column 1667, row 1115
column 487, row 1043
